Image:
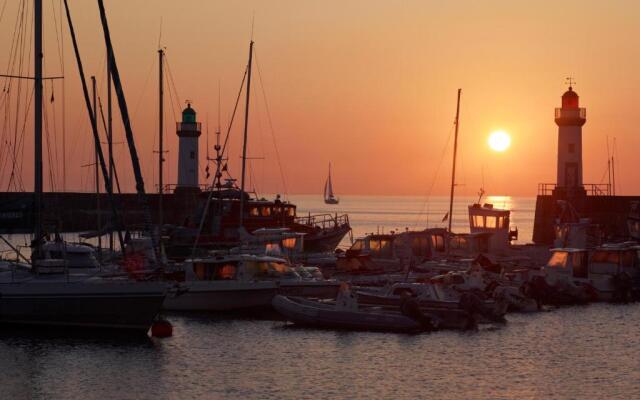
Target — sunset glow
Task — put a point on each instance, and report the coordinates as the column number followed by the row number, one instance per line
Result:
column 499, row 141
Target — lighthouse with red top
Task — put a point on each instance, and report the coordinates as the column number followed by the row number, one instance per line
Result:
column 570, row 118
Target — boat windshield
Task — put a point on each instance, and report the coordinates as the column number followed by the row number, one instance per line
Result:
column 268, row 268
column 558, row 260
column 214, row 272
column 357, row 245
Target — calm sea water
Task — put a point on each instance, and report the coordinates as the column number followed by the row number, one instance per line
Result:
column 569, row 353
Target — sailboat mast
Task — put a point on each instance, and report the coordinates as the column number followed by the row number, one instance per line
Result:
column 110, row 136
column 160, row 133
column 133, row 153
column 455, row 153
column 97, row 170
column 37, row 126
column 246, row 128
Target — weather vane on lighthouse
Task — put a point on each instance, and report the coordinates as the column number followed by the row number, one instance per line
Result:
column 570, row 81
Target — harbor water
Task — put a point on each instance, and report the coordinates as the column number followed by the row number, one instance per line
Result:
column 586, row 352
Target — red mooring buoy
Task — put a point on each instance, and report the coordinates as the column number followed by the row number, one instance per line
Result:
column 161, row 328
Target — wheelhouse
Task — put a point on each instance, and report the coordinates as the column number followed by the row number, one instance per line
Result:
column 488, row 219
column 569, row 262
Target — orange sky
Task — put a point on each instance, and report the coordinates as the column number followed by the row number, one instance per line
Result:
column 367, row 85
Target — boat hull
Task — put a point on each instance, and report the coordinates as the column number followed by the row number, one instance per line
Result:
column 122, row 306
column 321, row 290
column 220, row 296
column 314, row 314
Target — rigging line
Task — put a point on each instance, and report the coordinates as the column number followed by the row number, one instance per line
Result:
column 172, row 102
column 435, row 177
column 233, row 114
column 17, row 57
column 260, row 136
column 173, row 84
column 4, row 5
column 104, row 125
column 273, row 135
column 55, row 24
column 144, row 88
column 17, row 145
column 47, row 136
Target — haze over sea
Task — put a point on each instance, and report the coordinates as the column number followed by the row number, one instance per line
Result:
column 574, row 352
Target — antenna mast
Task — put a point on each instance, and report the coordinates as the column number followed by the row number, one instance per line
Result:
column 37, row 126
column 246, row 127
column 455, row 152
column 160, row 138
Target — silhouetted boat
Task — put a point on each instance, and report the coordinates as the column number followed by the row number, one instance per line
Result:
column 329, row 197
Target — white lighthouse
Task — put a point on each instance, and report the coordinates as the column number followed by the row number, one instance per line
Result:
column 188, row 131
column 570, row 118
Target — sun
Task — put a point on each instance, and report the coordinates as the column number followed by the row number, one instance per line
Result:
column 499, row 141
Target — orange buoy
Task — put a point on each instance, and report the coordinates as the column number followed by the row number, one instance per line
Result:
column 161, row 328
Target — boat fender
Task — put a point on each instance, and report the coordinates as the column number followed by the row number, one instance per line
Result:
column 161, row 328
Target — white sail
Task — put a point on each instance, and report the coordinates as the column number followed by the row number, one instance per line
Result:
column 329, row 197
column 328, row 188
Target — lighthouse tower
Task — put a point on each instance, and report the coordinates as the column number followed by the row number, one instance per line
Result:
column 188, row 131
column 570, row 118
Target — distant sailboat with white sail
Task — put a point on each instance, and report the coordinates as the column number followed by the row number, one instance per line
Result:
column 329, row 197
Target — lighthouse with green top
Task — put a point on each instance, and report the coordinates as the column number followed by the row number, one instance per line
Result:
column 188, row 131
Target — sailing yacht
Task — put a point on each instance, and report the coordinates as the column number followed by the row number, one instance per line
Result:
column 46, row 293
column 329, row 197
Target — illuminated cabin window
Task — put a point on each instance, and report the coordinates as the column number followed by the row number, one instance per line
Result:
column 289, row 243
column 226, row 272
column 211, row 272
column 290, row 211
column 558, row 260
column 492, row 222
column 380, row 248
column 253, row 211
column 265, row 211
column 478, row 221
column 437, row 242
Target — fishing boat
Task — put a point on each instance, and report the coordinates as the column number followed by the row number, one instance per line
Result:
column 610, row 272
column 329, row 197
column 226, row 208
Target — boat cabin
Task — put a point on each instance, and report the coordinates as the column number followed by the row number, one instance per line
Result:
column 469, row 244
column 244, row 268
column 598, row 266
column 495, row 221
column 420, row 245
column 278, row 241
column 569, row 262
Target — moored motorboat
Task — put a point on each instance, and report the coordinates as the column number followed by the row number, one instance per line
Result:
column 317, row 314
column 225, row 282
